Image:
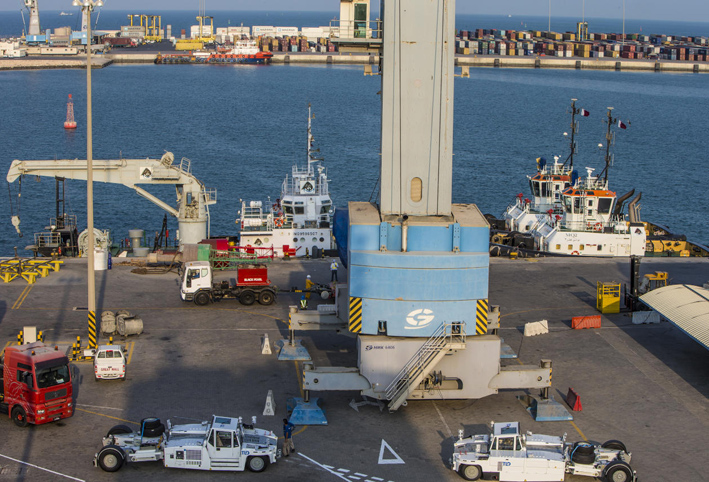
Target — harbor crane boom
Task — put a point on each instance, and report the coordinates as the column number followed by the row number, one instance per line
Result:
column 193, row 199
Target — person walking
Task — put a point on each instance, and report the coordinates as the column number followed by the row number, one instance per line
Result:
column 288, row 445
column 333, row 270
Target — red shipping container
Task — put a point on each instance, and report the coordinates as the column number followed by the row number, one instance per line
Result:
column 582, row 322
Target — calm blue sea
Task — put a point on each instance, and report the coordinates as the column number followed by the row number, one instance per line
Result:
column 244, row 126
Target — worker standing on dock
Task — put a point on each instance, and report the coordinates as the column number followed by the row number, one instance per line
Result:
column 308, row 286
column 288, row 445
column 333, row 270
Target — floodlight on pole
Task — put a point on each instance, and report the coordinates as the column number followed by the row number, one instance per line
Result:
column 87, row 7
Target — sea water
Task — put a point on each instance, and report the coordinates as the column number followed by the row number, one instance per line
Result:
column 243, row 127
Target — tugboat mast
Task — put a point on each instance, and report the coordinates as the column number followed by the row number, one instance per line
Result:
column 610, row 137
column 574, row 131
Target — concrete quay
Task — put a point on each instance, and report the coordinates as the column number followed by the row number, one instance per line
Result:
column 345, row 58
column 645, row 385
column 54, row 62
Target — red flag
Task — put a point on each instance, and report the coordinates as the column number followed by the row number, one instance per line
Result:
column 621, row 125
column 584, row 113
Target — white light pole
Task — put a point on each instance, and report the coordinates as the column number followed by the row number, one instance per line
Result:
column 549, row 16
column 87, row 7
column 623, row 41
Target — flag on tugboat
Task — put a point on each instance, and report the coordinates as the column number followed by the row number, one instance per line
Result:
column 584, row 112
column 621, row 124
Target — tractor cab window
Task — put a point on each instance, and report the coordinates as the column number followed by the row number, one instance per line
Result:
column 223, row 439
column 52, row 376
column 506, row 443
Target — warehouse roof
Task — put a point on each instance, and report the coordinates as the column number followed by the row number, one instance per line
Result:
column 686, row 306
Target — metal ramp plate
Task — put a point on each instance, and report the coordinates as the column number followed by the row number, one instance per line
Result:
column 295, row 351
column 506, row 350
column 305, row 413
column 545, row 410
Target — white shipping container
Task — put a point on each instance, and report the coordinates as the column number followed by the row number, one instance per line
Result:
column 331, row 31
column 313, row 33
column 239, row 31
column 263, row 30
column 222, row 31
column 206, row 31
column 286, row 31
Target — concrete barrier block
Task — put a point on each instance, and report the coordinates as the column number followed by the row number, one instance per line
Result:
column 645, row 317
column 534, row 328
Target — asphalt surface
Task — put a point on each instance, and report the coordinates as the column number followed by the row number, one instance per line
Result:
column 646, row 385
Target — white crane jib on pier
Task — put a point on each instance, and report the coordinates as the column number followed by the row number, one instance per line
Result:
column 193, row 200
column 33, row 8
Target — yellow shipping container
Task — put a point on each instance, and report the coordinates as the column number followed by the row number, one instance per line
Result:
column 188, row 45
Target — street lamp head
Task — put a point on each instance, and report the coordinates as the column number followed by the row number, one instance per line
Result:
column 76, row 3
column 99, row 3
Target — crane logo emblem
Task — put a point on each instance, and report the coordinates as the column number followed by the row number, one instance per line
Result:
column 418, row 319
column 147, row 173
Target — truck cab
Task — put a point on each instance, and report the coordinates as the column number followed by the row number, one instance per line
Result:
column 36, row 384
column 196, row 277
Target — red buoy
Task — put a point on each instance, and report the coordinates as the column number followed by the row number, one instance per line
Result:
column 70, row 123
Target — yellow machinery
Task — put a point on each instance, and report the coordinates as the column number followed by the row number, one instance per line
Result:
column 206, row 36
column 151, row 23
column 608, row 297
column 658, row 279
column 188, row 44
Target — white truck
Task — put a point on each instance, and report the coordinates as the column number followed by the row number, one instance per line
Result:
column 109, row 362
column 507, row 455
column 224, row 443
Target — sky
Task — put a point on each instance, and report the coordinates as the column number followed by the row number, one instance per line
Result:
column 689, row 10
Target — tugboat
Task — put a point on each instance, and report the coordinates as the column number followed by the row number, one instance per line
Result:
column 546, row 186
column 593, row 223
column 299, row 223
column 243, row 52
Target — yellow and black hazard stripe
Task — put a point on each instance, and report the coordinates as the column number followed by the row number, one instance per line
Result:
column 481, row 318
column 355, row 324
column 92, row 329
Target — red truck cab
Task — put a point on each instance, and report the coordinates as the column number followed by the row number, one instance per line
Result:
column 36, row 384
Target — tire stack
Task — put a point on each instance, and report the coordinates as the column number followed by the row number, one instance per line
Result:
column 122, row 322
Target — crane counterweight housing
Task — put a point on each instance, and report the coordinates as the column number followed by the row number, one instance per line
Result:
column 193, row 199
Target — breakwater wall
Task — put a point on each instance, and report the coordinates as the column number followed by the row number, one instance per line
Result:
column 342, row 58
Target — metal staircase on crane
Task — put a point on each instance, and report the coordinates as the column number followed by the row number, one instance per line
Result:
column 448, row 337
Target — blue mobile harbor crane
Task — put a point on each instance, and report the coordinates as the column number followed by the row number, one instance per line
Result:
column 417, row 291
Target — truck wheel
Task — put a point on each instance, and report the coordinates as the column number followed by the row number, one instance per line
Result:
column 19, row 416
column 118, row 429
column 618, row 472
column 266, row 297
column 614, row 445
column 150, row 423
column 470, row 472
column 154, row 432
column 201, row 298
column 584, row 448
column 247, row 298
column 111, row 458
column 257, row 464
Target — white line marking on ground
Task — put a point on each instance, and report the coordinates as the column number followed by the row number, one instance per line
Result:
column 328, row 466
column 42, row 468
column 98, row 406
column 322, row 466
column 344, row 471
column 382, row 461
column 448, row 429
column 360, row 475
column 353, row 477
column 377, row 479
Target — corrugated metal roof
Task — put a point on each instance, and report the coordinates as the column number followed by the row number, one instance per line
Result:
column 686, row 306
